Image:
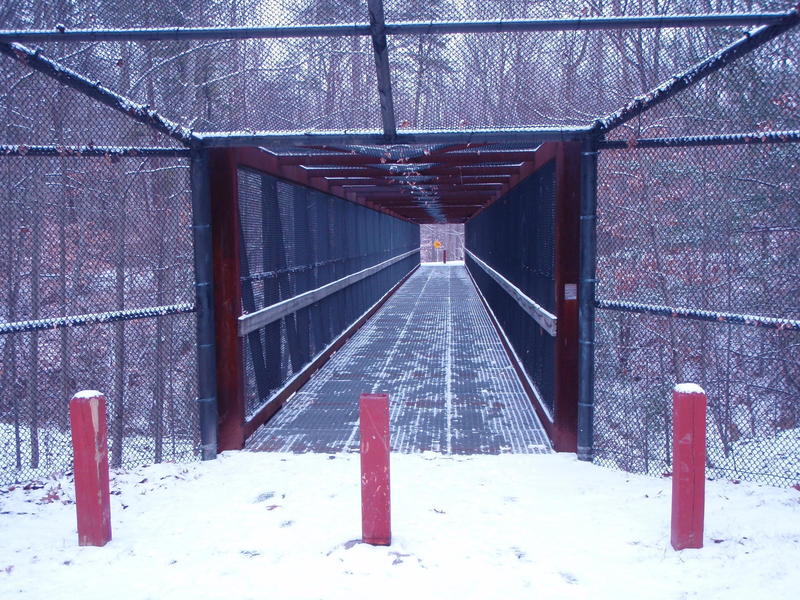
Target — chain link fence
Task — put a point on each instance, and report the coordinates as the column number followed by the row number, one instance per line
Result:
column 448, row 81
column 97, row 293
column 698, row 251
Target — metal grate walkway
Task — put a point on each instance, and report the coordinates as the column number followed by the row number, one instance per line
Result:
column 433, row 349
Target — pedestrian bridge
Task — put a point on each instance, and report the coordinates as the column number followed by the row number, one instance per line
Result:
column 434, row 349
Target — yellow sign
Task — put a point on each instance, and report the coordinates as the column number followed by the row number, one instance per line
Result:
column 437, row 244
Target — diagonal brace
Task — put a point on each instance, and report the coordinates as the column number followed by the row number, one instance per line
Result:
column 139, row 112
column 722, row 58
column 377, row 25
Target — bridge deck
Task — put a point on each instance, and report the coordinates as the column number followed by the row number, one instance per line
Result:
column 433, row 349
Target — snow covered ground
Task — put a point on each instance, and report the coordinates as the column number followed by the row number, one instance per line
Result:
column 283, row 526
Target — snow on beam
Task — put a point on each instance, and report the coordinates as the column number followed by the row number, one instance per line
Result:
column 66, row 76
column 701, row 315
column 728, row 139
column 276, row 139
column 63, row 151
column 96, row 318
column 745, row 44
column 545, row 319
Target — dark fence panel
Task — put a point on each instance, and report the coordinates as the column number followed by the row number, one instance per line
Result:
column 296, row 239
column 515, row 236
column 96, row 281
column 714, row 233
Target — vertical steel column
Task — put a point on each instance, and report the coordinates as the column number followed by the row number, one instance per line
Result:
column 586, row 292
column 566, row 230
column 203, row 276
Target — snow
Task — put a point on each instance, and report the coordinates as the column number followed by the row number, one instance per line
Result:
column 689, row 388
column 257, row 525
column 88, row 394
column 449, row 263
column 775, row 455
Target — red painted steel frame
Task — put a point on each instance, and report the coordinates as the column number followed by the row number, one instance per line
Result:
column 227, row 298
column 90, row 445
column 564, row 431
column 688, row 464
column 375, row 492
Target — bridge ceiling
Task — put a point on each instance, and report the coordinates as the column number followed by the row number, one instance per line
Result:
column 424, row 184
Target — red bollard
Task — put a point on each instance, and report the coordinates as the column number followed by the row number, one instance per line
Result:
column 376, row 526
column 444, row 257
column 688, row 465
column 87, row 412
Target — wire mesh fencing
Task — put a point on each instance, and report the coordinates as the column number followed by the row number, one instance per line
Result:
column 697, row 281
column 515, row 237
column 295, row 240
column 449, row 81
column 97, row 293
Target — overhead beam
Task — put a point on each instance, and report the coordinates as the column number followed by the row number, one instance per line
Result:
column 138, row 112
column 464, row 196
column 61, row 34
column 667, row 89
column 277, row 139
column 64, row 151
column 377, row 27
column 432, row 180
column 470, row 170
column 725, row 139
column 478, row 159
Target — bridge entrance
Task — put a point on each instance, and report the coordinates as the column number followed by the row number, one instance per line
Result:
column 303, row 259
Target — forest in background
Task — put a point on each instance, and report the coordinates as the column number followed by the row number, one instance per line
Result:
column 713, row 228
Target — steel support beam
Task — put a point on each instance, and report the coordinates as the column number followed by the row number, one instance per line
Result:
column 89, row 151
column 139, row 112
column 711, row 316
column 377, row 26
column 130, row 314
column 586, row 299
column 667, row 89
column 204, row 301
column 61, row 34
column 277, row 139
column 728, row 139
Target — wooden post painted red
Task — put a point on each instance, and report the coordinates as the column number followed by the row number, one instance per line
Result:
column 688, row 465
column 376, row 526
column 444, row 257
column 87, row 413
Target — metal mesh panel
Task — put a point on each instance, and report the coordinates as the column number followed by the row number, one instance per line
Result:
column 714, row 229
column 297, row 239
column 99, row 242
column 37, row 110
column 572, row 77
column 187, row 13
column 514, row 236
column 439, row 81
